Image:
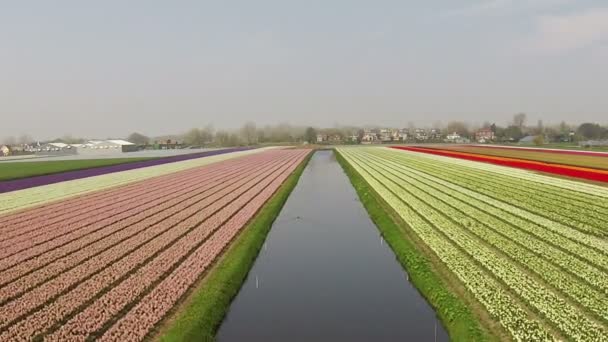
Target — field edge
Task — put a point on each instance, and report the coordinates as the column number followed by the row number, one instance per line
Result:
column 203, row 309
column 456, row 316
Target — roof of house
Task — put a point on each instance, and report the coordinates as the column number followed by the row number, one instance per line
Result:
column 528, row 138
column 121, row 142
column 59, row 144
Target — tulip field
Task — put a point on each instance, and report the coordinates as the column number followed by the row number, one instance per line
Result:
column 531, row 249
column 108, row 257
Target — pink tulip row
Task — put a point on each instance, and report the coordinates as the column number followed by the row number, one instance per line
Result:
column 66, row 231
column 57, row 212
column 143, row 256
column 152, row 308
column 185, row 219
column 113, row 302
column 64, row 206
column 84, row 249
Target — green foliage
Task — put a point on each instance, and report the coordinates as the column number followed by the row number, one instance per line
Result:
column 138, row 139
column 310, row 135
column 591, row 131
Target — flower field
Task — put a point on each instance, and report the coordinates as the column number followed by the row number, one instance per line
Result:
column 572, row 165
column 110, row 264
column 29, row 182
column 531, row 249
column 39, row 195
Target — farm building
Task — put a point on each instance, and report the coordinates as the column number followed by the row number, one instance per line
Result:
column 484, row 135
column 105, row 147
column 53, row 148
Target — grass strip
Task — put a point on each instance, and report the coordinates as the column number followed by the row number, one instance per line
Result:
column 457, row 317
column 200, row 315
column 19, row 170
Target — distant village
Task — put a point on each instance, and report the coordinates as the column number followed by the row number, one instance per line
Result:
column 455, row 132
column 404, row 135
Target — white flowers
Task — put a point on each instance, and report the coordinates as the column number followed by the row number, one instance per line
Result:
column 528, row 263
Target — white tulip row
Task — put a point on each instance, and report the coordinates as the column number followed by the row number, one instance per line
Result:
column 474, row 230
column 564, row 208
column 487, row 290
column 591, row 248
column 530, row 252
column 582, row 187
column 598, row 243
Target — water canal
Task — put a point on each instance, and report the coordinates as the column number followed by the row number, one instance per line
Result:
column 325, row 274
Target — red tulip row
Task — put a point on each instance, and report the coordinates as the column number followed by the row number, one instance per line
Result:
column 115, row 197
column 56, row 235
column 91, row 245
column 149, row 250
column 563, row 170
column 112, row 303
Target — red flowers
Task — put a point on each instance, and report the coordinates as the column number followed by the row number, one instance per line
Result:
column 564, row 170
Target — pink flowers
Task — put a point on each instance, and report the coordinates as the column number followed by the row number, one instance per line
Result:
column 84, row 271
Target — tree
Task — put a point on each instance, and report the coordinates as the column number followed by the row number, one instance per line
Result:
column 249, row 133
column 459, row 127
column 310, row 135
column 25, row 139
column 590, row 130
column 513, row 133
column 138, row 139
column 539, row 140
column 194, row 137
column 519, row 120
column 207, row 134
column 9, row 141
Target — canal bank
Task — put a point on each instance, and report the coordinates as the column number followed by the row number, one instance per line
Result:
column 325, row 273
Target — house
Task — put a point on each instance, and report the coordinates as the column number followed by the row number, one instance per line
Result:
column 435, row 134
column 353, row 138
column 5, row 151
column 420, row 134
column 335, row 138
column 399, row 135
column 386, row 135
column 453, row 137
column 369, row 137
column 484, row 135
column 321, row 138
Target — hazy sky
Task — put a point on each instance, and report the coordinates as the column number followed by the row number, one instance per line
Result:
column 107, row 68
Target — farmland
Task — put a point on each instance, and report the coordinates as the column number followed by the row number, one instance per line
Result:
column 565, row 157
column 10, row 171
column 580, row 172
column 23, row 175
column 530, row 250
column 108, row 257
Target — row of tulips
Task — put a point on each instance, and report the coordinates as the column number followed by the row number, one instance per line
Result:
column 40, row 195
column 80, row 292
column 502, row 248
column 531, row 253
column 564, row 170
column 569, row 210
column 485, row 288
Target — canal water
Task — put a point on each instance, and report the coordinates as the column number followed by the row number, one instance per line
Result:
column 326, row 274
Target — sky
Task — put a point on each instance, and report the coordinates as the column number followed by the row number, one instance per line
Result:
column 107, row 68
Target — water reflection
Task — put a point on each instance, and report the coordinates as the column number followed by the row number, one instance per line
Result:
column 323, row 276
